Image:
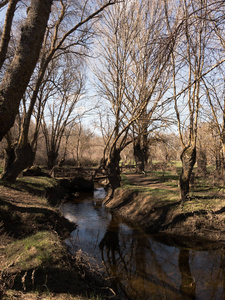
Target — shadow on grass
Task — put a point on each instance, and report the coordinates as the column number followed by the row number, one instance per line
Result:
column 163, row 211
column 22, row 221
column 34, row 188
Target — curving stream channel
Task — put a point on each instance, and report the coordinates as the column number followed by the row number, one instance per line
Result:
column 141, row 267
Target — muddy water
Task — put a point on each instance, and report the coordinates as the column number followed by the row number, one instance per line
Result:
column 141, row 267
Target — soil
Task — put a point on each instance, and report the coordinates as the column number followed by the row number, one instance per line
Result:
column 196, row 223
column 30, row 270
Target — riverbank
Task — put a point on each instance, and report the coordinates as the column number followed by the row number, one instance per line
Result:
column 155, row 206
column 34, row 261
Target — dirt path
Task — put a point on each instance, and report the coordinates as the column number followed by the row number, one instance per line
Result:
column 142, row 180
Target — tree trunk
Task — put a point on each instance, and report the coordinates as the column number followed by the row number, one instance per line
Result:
column 113, row 170
column 218, row 162
column 139, row 157
column 52, row 157
column 188, row 158
column 222, row 166
column 24, row 158
column 26, row 56
column 9, row 158
column 5, row 38
column 202, row 162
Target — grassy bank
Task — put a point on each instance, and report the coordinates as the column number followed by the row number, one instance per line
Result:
column 34, row 262
column 152, row 201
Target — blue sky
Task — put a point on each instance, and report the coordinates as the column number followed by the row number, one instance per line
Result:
column 2, row 14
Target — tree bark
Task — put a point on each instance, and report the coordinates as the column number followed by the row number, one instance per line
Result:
column 26, row 56
column 202, row 162
column 52, row 157
column 9, row 158
column 188, row 158
column 113, row 169
column 5, row 38
column 24, row 158
column 141, row 156
column 3, row 3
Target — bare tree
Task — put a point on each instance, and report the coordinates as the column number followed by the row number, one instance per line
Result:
column 62, row 38
column 3, row 3
column 5, row 38
column 214, row 84
column 17, row 76
column 60, row 110
column 130, row 72
column 81, row 146
column 188, row 58
column 145, row 65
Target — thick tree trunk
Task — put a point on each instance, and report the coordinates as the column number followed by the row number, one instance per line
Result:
column 24, row 158
column 188, row 158
column 141, row 155
column 9, row 158
column 52, row 157
column 202, row 162
column 113, row 170
column 26, row 56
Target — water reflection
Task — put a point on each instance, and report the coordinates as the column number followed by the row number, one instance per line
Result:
column 141, row 267
column 188, row 286
column 111, row 255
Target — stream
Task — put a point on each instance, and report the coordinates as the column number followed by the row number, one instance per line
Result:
column 140, row 267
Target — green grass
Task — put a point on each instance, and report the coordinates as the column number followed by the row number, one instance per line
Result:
column 33, row 251
column 35, row 185
column 204, row 194
column 155, row 193
column 177, row 164
column 40, row 183
column 164, row 176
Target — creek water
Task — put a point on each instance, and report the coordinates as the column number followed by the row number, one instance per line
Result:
column 141, row 267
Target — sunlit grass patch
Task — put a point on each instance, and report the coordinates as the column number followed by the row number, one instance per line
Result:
column 31, row 252
column 177, row 163
column 33, row 185
column 157, row 194
column 40, row 183
column 207, row 204
column 163, row 176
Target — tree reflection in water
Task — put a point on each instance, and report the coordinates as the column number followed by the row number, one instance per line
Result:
column 137, row 270
column 113, row 258
column 142, row 267
column 188, row 285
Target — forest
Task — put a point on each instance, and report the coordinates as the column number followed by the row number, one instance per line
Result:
column 113, row 84
column 105, row 76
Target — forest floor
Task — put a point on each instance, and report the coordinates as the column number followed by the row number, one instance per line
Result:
column 34, row 261
column 154, row 203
